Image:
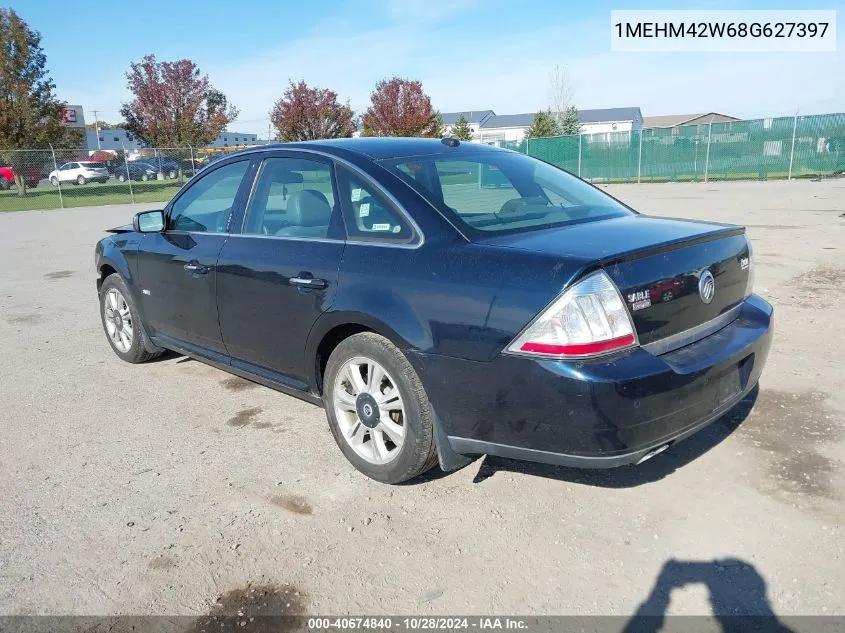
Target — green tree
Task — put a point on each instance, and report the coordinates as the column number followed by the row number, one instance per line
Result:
column 30, row 113
column 569, row 121
column 435, row 126
column 461, row 129
column 543, row 125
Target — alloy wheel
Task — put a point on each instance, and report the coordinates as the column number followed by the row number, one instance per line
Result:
column 369, row 410
column 118, row 320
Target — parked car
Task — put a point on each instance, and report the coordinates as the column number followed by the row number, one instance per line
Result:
column 438, row 320
column 136, row 170
column 164, row 165
column 31, row 176
column 79, row 173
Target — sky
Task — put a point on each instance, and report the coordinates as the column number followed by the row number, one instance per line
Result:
column 468, row 54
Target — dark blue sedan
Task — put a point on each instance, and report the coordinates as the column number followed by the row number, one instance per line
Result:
column 443, row 300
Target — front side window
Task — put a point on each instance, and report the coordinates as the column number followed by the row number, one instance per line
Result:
column 206, row 205
column 500, row 192
column 293, row 197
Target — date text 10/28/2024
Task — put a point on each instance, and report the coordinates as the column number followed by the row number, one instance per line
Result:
column 417, row 623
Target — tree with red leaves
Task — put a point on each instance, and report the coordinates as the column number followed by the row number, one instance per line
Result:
column 30, row 113
column 174, row 104
column 400, row 107
column 306, row 114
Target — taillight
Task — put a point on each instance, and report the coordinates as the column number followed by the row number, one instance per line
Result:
column 749, row 285
column 588, row 319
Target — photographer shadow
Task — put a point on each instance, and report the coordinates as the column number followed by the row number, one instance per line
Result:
column 737, row 598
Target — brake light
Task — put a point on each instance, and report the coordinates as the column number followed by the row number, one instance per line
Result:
column 749, row 286
column 590, row 318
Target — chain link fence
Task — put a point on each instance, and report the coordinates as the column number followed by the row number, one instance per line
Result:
column 786, row 147
column 57, row 178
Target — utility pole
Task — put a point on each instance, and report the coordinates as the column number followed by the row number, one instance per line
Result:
column 97, row 128
column 792, row 149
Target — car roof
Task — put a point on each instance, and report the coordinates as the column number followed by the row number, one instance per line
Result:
column 379, row 148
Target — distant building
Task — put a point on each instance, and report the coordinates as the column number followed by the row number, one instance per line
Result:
column 475, row 119
column 115, row 139
column 229, row 139
column 504, row 127
column 608, row 121
column 677, row 120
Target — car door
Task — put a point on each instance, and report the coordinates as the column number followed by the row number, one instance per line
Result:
column 67, row 172
column 279, row 272
column 177, row 268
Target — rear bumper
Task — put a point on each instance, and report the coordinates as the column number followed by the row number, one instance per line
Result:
column 602, row 413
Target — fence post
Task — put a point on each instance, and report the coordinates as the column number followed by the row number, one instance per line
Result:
column 193, row 164
column 579, row 153
column 707, row 157
column 792, row 151
column 58, row 180
column 640, row 158
column 128, row 176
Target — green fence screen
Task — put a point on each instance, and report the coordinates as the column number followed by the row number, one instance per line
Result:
column 737, row 150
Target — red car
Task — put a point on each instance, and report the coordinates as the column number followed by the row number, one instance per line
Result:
column 31, row 177
column 666, row 290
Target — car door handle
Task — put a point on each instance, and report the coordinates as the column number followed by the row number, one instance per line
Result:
column 197, row 269
column 308, row 282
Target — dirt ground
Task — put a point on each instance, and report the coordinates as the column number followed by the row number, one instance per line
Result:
column 164, row 487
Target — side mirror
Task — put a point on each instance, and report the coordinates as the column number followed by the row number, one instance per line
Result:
column 148, row 222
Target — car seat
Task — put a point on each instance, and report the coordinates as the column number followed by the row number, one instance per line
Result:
column 308, row 215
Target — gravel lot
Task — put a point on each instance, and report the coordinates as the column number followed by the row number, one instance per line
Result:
column 160, row 488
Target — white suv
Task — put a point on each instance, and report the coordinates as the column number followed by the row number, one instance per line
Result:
column 79, row 173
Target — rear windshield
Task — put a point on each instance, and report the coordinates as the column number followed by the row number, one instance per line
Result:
column 500, row 192
column 93, row 165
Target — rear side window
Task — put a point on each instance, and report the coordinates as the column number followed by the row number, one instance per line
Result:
column 498, row 192
column 293, row 197
column 368, row 214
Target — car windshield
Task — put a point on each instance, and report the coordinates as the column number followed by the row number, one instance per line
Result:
column 495, row 192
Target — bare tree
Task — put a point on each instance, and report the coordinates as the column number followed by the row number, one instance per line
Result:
column 561, row 93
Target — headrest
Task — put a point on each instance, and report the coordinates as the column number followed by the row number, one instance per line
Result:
column 308, row 208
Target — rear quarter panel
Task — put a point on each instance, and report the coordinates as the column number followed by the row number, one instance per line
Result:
column 457, row 299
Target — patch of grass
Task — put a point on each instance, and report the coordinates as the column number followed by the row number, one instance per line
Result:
column 46, row 196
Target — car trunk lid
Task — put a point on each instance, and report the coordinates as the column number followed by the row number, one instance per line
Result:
column 661, row 266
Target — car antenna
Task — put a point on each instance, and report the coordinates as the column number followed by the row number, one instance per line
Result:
column 450, row 141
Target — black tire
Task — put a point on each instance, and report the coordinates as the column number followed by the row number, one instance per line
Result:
column 121, row 178
column 80, row 180
column 145, row 177
column 5, row 185
column 418, row 452
column 136, row 353
column 54, row 181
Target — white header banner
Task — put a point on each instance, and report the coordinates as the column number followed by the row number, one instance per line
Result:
column 728, row 30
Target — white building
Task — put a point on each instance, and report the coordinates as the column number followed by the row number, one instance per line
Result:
column 116, row 139
column 475, row 119
column 512, row 127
